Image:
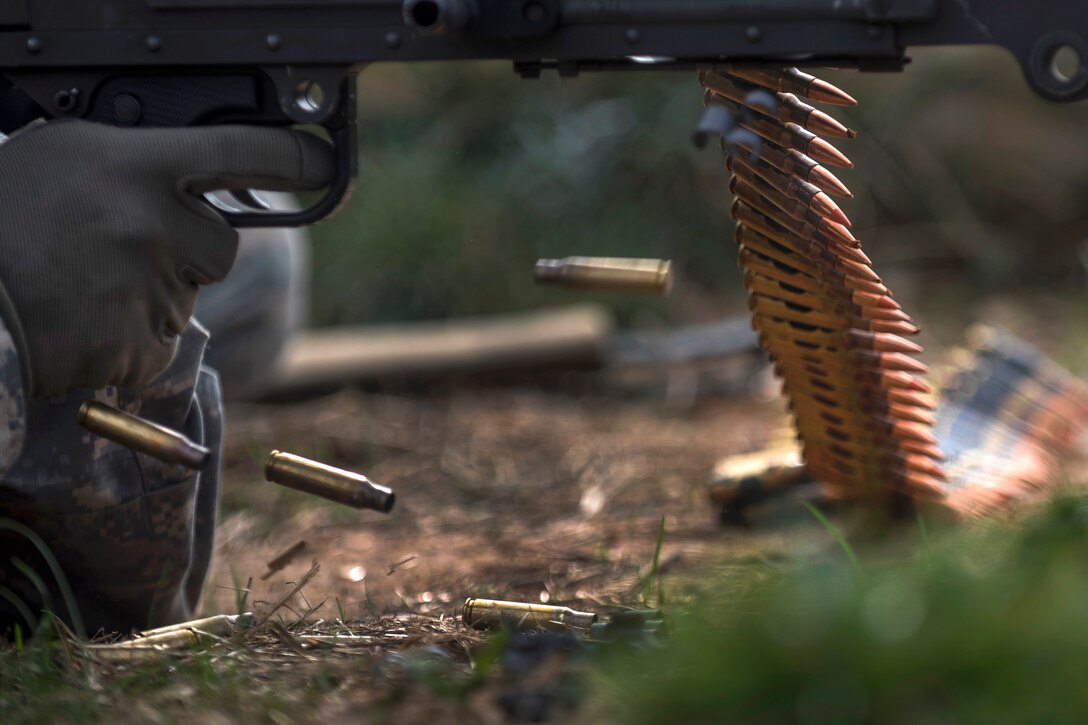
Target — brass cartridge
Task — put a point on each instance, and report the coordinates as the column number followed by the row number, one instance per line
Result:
column 488, row 613
column 142, row 435
column 219, row 625
column 607, row 274
column 333, row 484
column 174, row 638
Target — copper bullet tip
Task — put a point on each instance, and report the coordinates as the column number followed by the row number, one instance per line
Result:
column 863, row 271
column 895, row 361
column 905, row 397
column 838, row 232
column 821, row 123
column 887, row 342
column 898, row 379
column 823, row 205
column 825, row 153
column 914, row 415
column 824, row 92
column 865, row 285
column 894, row 327
column 921, row 449
column 914, row 431
column 853, row 253
column 828, row 182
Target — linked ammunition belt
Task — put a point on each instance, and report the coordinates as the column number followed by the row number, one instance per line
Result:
column 1010, row 421
column 836, row 336
column 1009, row 418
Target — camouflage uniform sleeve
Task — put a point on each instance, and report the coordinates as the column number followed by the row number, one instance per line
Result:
column 12, row 401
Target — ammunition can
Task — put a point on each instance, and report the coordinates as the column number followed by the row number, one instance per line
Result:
column 489, row 613
column 330, row 483
column 607, row 274
column 142, row 436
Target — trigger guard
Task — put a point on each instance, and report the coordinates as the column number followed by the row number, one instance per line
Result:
column 345, row 147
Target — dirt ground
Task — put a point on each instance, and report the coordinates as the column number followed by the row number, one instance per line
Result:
column 517, row 493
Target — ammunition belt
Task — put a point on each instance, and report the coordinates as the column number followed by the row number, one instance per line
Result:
column 1010, row 422
column 1009, row 418
column 834, row 332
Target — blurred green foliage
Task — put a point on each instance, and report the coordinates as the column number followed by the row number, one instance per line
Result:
column 986, row 624
column 469, row 174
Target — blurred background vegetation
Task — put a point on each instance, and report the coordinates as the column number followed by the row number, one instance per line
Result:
column 966, row 185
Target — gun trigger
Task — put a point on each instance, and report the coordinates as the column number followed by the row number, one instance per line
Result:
column 715, row 121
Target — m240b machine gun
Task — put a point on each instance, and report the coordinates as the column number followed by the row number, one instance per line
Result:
column 289, row 62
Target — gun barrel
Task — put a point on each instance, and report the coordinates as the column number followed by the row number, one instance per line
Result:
column 142, row 435
column 333, row 484
column 607, row 274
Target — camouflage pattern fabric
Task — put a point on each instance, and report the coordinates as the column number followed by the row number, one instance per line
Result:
column 133, row 535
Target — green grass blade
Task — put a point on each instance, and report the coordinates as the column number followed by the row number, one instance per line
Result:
column 648, row 582
column 54, row 566
column 837, row 535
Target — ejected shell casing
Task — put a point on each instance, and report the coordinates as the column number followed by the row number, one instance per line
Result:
column 220, row 624
column 142, row 435
column 607, row 274
column 333, row 484
column 489, row 613
column 153, row 642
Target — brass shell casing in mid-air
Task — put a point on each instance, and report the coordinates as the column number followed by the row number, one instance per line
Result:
column 488, row 613
column 333, row 484
column 141, row 435
column 607, row 274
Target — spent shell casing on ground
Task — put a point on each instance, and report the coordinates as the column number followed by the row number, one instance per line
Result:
column 607, row 274
column 220, row 624
column 489, row 613
column 333, row 484
column 154, row 642
column 141, row 435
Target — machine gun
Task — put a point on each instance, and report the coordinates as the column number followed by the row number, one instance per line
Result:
column 293, row 62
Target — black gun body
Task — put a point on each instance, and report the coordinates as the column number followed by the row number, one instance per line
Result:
column 186, row 62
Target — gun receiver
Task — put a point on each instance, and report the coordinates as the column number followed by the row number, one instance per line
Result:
column 284, row 62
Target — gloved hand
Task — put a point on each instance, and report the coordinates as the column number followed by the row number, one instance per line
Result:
column 104, row 240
